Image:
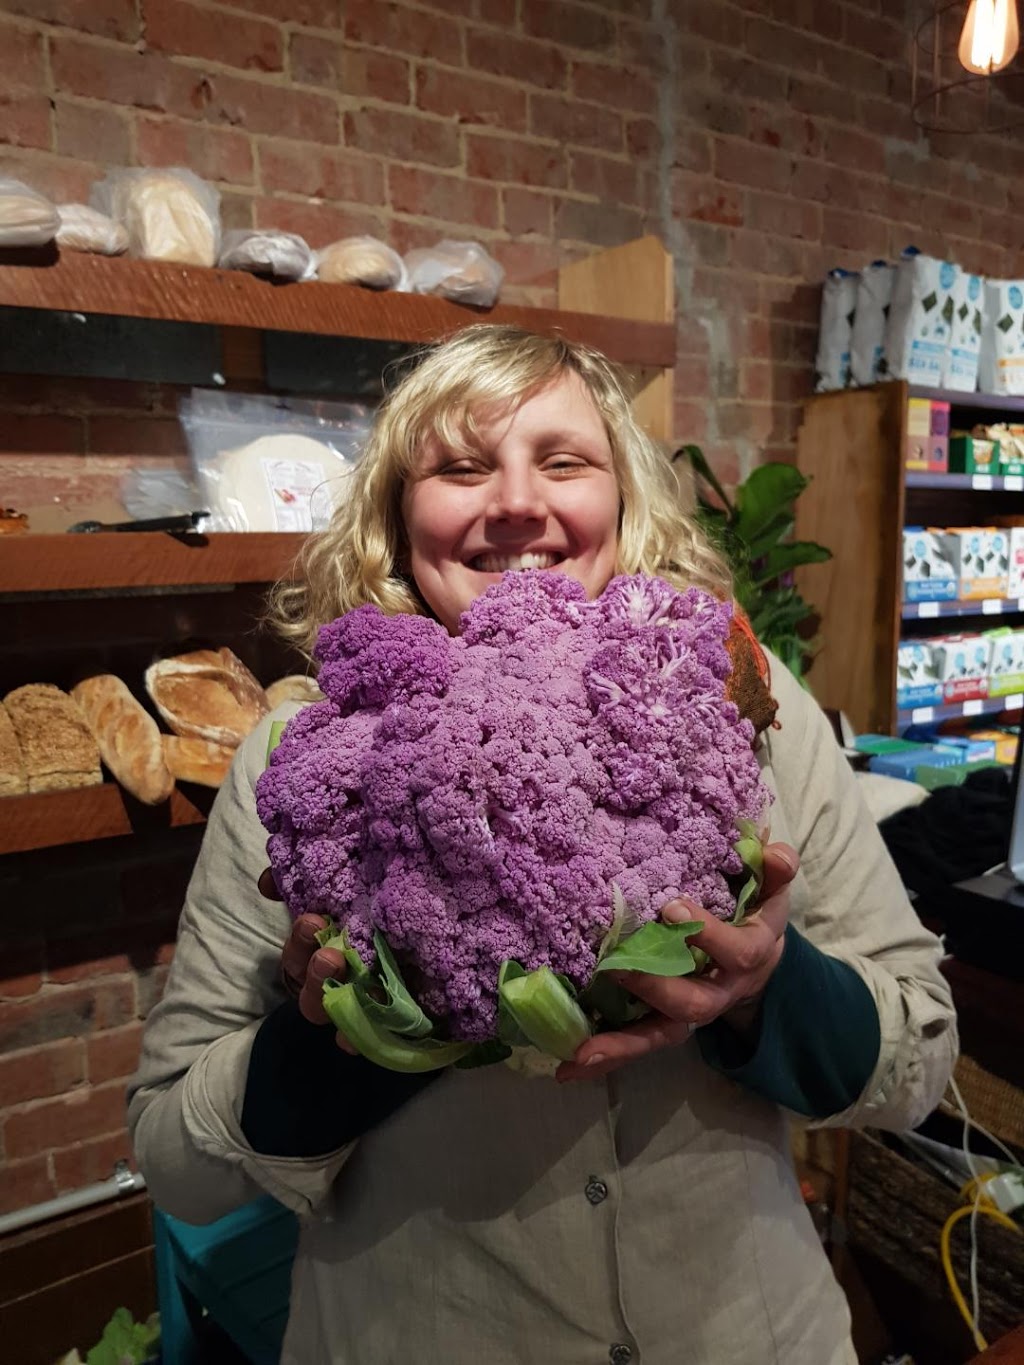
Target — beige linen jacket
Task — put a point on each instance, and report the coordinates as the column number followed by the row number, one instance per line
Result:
column 650, row 1217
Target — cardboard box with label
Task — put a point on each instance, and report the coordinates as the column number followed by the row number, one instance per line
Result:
column 1015, row 572
column 1006, row 670
column 972, row 454
column 960, row 371
column 917, row 674
column 919, row 328
column 931, row 571
column 927, row 445
column 1001, row 369
column 982, row 555
column 963, row 664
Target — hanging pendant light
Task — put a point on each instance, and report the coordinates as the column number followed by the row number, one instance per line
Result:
column 990, row 36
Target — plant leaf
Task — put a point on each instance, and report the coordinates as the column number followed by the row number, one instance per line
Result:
column 399, row 1012
column 612, row 1003
column 703, row 470
column 748, row 891
column 783, row 558
column 484, row 1054
column 545, row 1011
column 509, row 1031
column 766, row 494
column 347, row 1013
column 624, row 922
column 657, row 948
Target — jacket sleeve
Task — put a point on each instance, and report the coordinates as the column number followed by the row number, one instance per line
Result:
column 185, row 1101
column 849, row 902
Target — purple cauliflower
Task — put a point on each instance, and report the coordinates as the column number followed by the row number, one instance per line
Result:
column 479, row 798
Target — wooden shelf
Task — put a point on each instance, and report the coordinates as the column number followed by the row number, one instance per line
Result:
column 977, row 483
column 80, row 283
column 44, row 563
column 984, row 606
column 989, row 706
column 989, row 402
column 77, row 816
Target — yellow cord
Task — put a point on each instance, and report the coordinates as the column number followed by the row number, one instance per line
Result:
column 973, row 1191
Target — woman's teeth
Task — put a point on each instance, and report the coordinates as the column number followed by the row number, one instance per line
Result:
column 503, row 563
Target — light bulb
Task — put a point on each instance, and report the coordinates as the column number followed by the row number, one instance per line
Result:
column 990, row 37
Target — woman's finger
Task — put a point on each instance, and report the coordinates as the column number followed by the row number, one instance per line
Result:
column 298, row 950
column 608, row 1051
column 268, row 886
column 690, row 1000
column 323, row 965
column 745, row 948
column 781, row 864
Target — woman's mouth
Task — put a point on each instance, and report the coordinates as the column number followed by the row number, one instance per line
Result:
column 495, row 563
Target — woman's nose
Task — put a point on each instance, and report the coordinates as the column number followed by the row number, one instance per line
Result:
column 518, row 496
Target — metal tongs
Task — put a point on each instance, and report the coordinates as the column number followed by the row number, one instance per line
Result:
column 188, row 521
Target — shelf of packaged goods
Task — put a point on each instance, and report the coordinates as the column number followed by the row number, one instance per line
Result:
column 81, row 814
column 984, row 606
column 233, row 298
column 978, row 483
column 988, row 706
column 54, row 563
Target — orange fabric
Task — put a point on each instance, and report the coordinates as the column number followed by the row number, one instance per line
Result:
column 743, row 626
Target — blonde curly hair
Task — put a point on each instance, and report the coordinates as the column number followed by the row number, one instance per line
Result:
column 358, row 558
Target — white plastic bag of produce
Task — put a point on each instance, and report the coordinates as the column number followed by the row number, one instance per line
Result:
column 284, row 255
column 169, row 214
column 461, row 271
column 26, row 217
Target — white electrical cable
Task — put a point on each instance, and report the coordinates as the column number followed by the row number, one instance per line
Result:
column 996, row 1142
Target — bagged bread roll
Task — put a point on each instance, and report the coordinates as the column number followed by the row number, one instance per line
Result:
column 169, row 215
column 56, row 745
column 361, row 260
column 26, row 218
column 197, row 760
column 281, row 254
column 86, row 229
column 127, row 736
column 13, row 777
column 295, row 687
column 207, row 694
column 461, row 271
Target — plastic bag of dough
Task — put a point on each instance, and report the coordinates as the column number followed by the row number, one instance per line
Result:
column 281, row 254
column 26, row 217
column 462, row 271
column 85, row 229
column 361, row 260
column 170, row 215
column 835, row 330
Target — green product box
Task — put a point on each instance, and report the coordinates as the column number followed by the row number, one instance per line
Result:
column 933, row 778
column 973, row 455
column 1011, row 467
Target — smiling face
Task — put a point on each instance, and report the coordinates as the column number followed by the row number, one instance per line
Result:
column 538, row 491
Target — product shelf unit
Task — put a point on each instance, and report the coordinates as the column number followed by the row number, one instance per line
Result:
column 851, row 443
column 82, row 814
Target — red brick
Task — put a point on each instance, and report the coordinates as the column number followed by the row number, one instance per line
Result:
column 708, row 108
column 809, row 96
column 797, row 133
column 568, row 24
column 783, row 46
column 756, row 380
column 309, row 13
column 425, row 194
column 689, row 421
column 572, row 123
column 740, row 75
column 25, row 120
column 41, row 1072
column 23, row 57
column 60, row 1122
column 136, row 436
column 499, row 54
column 402, row 137
column 752, row 250
column 854, row 72
column 304, row 168
column 527, row 211
column 87, row 1163
column 707, row 200
column 692, row 150
column 113, row 1055
column 65, row 1012
column 860, row 151
column 123, row 76
column 713, row 23
column 259, row 107
column 615, row 86
column 710, row 242
column 644, row 45
column 745, row 164
column 26, row 1183
column 604, row 177
column 149, row 988
column 886, row 117
column 500, row 12
column 215, row 35
column 92, row 131
column 213, row 153
column 400, row 28
column 876, row 35
column 107, row 18
column 642, row 137
column 471, row 98
column 517, row 163
column 601, row 223
column 783, row 215
column 691, row 376
column 912, row 166
column 315, row 59
column 534, row 263
column 318, row 223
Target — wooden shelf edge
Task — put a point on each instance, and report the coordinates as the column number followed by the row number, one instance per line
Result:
column 42, row 563
column 82, row 814
column 233, row 298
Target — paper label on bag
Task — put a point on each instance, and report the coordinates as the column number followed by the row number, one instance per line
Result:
column 292, row 485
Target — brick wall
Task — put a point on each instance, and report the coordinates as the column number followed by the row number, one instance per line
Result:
column 765, row 140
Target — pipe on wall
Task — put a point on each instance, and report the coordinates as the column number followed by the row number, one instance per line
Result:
column 122, row 1182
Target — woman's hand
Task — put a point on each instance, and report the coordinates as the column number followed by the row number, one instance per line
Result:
column 305, row 966
column 743, row 957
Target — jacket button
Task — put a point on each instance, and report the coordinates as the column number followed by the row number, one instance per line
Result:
column 597, row 1191
column 620, row 1354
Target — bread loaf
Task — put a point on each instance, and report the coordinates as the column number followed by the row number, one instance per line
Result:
column 197, row 760
column 127, row 736
column 207, row 694
column 360, row 260
column 295, row 687
column 13, row 777
column 56, row 746
column 169, row 214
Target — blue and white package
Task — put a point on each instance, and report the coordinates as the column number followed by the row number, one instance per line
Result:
column 1001, row 368
column 920, row 323
column 964, row 355
column 917, row 675
column 867, row 342
column 931, row 568
column 835, row 330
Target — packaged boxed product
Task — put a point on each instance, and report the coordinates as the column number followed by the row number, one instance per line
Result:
column 1015, row 568
column 26, row 217
column 867, row 340
column 835, row 330
column 86, row 229
column 169, row 215
column 973, row 454
column 1001, row 367
column 930, row 566
column 963, row 663
column 927, row 435
column 461, row 271
column 917, row 675
column 272, row 464
column 970, row 748
column 283, row 255
column 1010, row 438
column 907, row 766
column 982, row 554
column 364, row 261
column 920, row 319
column 960, row 371
column 1005, row 742
column 1006, row 671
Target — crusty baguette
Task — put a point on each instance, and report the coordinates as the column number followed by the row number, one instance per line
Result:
column 56, row 746
column 197, row 760
column 295, row 687
column 208, row 694
column 13, row 777
column 128, row 737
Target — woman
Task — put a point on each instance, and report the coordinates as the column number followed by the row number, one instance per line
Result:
column 645, row 1209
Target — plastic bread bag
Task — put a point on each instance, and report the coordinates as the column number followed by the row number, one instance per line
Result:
column 284, row 255
column 835, row 331
column 169, row 214
column 86, row 229
column 26, row 217
column 265, row 463
column 150, row 493
column 364, row 261
column 867, row 340
column 461, row 271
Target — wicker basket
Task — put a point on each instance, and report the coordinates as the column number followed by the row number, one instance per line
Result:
column 994, row 1103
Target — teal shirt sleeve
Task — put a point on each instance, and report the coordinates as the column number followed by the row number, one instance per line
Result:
column 816, row 1040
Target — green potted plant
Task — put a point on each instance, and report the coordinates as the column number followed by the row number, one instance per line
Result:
column 753, row 530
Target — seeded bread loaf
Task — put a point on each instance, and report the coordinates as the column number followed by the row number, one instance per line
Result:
column 207, row 694
column 295, row 687
column 57, row 748
column 128, row 737
column 197, row 760
column 13, row 777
